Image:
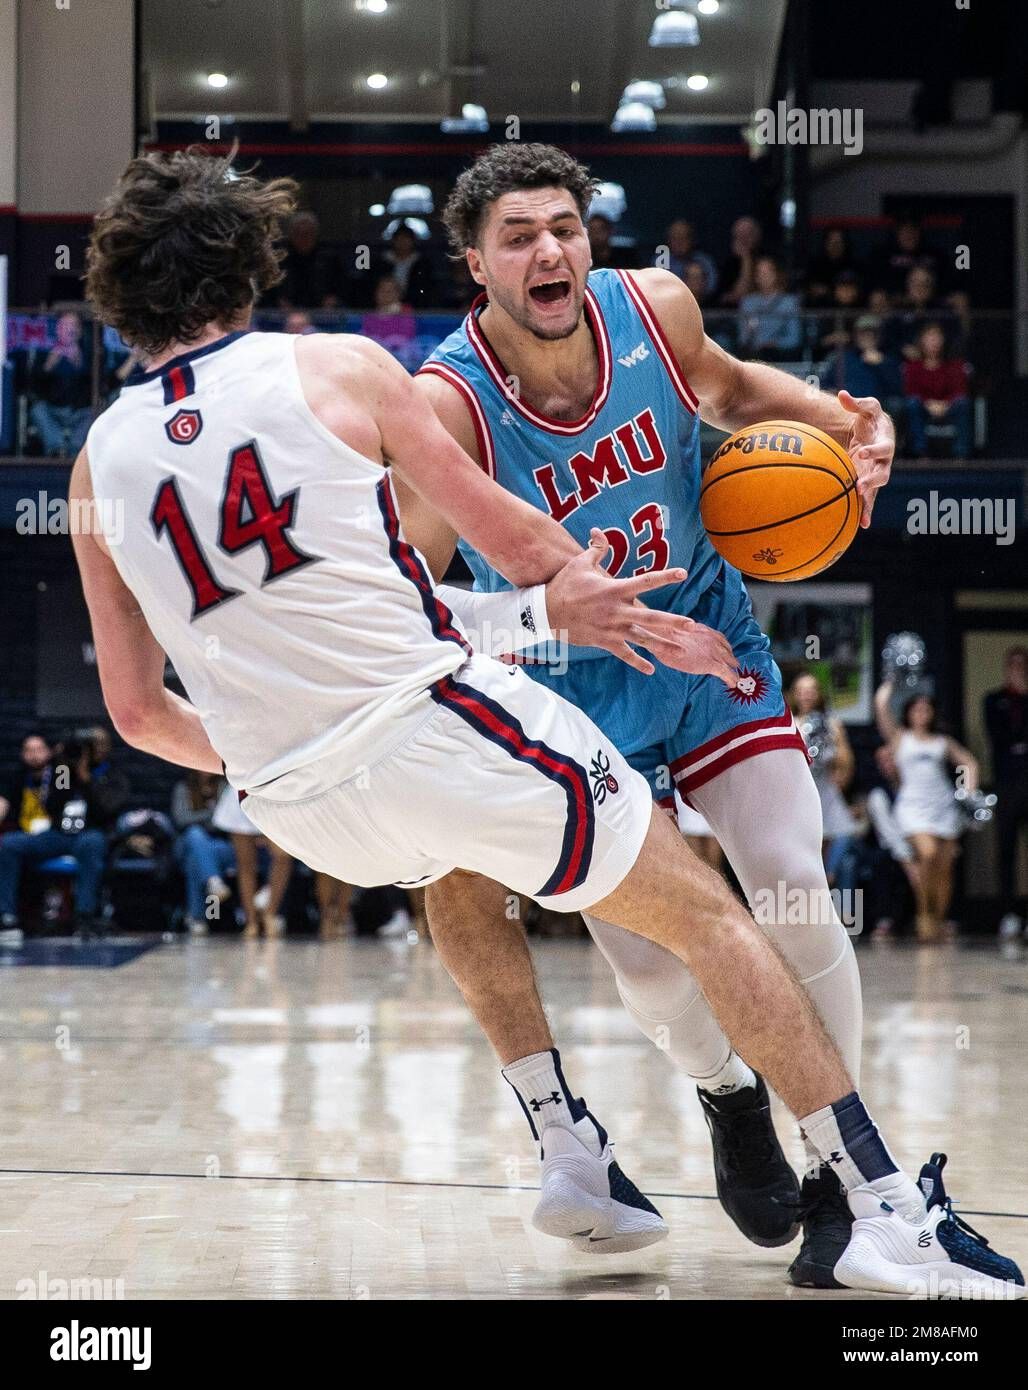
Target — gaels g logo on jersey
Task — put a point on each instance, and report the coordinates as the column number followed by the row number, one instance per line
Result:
column 184, row 426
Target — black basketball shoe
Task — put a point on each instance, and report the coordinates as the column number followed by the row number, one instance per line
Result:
column 827, row 1225
column 755, row 1184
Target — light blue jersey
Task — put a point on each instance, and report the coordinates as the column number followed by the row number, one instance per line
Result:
column 631, row 466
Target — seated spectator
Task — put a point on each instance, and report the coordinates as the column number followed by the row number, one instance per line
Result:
column 410, row 268
column 298, row 321
column 769, row 319
column 203, row 855
column 836, row 331
column 836, row 258
column 607, row 255
column 696, row 279
column 682, row 250
column 462, row 291
column 936, row 391
column 57, row 809
column 736, row 274
column 388, row 298
column 891, row 264
column 918, row 307
column 261, row 907
column 867, row 370
column 62, row 383
column 313, row 275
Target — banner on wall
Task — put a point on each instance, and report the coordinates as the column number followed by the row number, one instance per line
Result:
column 823, row 628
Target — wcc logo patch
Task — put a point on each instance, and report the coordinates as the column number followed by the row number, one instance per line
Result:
column 604, row 780
column 184, row 426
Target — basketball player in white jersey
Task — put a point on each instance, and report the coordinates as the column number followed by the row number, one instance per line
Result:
column 250, row 478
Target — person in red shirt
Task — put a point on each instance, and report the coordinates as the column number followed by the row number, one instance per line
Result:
column 936, row 391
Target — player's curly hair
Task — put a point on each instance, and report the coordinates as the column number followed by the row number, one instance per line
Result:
column 184, row 241
column 505, row 169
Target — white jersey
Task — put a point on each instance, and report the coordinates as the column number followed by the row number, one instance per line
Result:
column 268, row 560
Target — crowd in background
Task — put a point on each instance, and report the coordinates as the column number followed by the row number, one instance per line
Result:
column 77, row 848
column 891, row 324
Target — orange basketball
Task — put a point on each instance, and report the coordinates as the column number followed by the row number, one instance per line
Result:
column 779, row 500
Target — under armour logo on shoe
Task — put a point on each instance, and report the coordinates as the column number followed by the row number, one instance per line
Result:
column 552, row 1099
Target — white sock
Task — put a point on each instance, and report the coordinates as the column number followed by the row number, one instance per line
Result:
column 901, row 1192
column 732, row 1077
column 547, row 1102
column 848, row 1141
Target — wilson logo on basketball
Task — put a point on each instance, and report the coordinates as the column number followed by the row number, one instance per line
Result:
column 750, row 688
column 604, row 780
column 748, row 442
column 184, row 426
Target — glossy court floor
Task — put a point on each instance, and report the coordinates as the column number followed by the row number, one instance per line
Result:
column 219, row 1119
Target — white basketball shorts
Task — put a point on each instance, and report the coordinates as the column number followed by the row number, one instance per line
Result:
column 497, row 775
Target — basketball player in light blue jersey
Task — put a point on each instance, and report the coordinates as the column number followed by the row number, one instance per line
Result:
column 582, row 393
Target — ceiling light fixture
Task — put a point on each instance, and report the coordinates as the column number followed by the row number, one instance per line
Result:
column 674, row 29
column 217, row 79
column 709, row 6
column 649, row 93
column 471, row 121
column 633, row 115
column 697, row 82
column 377, row 80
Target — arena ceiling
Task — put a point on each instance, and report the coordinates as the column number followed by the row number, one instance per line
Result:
column 308, row 60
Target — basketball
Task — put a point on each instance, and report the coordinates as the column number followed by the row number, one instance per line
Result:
column 779, row 500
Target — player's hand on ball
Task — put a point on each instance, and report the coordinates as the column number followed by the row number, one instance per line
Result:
column 598, row 611
column 871, row 445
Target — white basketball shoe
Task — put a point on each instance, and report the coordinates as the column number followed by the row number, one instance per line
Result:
column 587, row 1200
column 940, row 1256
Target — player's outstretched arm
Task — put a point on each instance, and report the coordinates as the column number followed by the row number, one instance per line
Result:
column 128, row 656
column 733, row 393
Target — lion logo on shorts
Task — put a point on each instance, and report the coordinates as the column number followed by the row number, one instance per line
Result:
column 750, row 688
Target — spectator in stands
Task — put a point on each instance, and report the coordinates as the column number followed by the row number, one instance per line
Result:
column 769, row 319
column 868, row 371
column 62, row 383
column 936, row 391
column 313, row 275
column 736, row 274
column 111, row 790
column 203, row 855
column 832, row 766
column 918, row 307
column 696, row 279
column 1006, row 721
column 681, row 250
column 461, row 291
column 261, row 907
column 298, row 321
column 333, row 907
column 58, row 810
column 607, row 255
column 836, row 332
column 892, row 264
column 836, row 258
column 410, row 268
column 388, row 297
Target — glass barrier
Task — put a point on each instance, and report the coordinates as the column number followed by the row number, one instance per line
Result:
column 63, row 368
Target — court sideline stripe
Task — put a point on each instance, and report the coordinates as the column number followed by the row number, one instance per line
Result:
column 389, row 1182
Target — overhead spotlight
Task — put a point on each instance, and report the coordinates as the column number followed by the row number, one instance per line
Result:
column 413, row 224
column 608, row 201
column 633, row 115
column 373, row 6
column 217, row 79
column 674, row 29
column 709, row 6
column 649, row 93
column 471, row 121
column 377, row 80
column 377, row 210
column 697, row 82
column 411, row 198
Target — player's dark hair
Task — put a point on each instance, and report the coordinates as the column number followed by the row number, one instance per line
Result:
column 184, row 241
column 506, row 169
